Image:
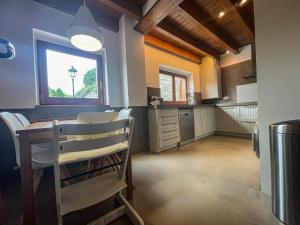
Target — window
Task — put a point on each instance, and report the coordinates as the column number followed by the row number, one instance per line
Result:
column 173, row 87
column 69, row 76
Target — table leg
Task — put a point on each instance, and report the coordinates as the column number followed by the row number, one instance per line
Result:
column 129, row 178
column 26, row 180
column 1, row 209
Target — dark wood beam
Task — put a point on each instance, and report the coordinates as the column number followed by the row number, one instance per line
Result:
column 164, row 46
column 160, row 10
column 127, row 7
column 197, row 15
column 227, row 4
column 71, row 7
column 172, row 31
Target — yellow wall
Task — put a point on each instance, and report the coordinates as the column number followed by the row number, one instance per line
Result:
column 154, row 58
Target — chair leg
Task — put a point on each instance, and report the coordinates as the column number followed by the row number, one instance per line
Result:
column 130, row 211
column 37, row 176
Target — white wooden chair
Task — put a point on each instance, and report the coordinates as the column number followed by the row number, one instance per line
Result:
column 124, row 114
column 89, row 192
column 41, row 157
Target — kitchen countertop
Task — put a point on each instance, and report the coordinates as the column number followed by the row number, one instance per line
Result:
column 236, row 104
column 182, row 106
column 223, row 104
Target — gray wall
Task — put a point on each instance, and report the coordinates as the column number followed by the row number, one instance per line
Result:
column 278, row 66
column 232, row 76
column 17, row 77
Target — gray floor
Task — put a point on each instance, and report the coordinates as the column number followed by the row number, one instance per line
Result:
column 214, row 181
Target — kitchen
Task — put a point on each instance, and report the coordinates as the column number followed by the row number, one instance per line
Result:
column 156, row 112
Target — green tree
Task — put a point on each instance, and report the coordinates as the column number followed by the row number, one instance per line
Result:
column 56, row 93
column 90, row 84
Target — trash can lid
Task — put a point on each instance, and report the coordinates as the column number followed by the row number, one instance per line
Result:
column 286, row 127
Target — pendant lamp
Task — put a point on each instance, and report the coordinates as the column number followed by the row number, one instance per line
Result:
column 84, row 32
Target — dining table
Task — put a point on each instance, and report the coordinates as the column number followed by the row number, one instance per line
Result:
column 37, row 133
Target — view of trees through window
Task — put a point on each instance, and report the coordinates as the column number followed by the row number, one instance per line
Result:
column 71, row 76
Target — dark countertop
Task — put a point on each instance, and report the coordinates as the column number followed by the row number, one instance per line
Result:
column 182, row 106
column 236, row 104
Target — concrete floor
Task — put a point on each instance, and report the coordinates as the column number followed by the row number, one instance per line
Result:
column 214, row 181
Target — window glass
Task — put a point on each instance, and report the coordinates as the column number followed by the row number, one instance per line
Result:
column 180, row 89
column 166, row 90
column 71, row 76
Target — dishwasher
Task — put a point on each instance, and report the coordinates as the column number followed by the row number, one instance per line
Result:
column 186, row 126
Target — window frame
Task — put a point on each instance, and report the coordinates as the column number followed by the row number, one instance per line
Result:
column 174, row 75
column 44, row 98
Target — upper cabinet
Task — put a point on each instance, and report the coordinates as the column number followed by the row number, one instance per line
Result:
column 210, row 78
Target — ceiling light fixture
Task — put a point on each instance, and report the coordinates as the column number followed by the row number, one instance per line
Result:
column 83, row 32
column 227, row 52
column 221, row 14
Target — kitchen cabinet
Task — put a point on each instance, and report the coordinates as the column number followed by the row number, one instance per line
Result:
column 236, row 119
column 210, row 80
column 205, row 121
column 163, row 129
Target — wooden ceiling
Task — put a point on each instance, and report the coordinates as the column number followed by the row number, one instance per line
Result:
column 191, row 26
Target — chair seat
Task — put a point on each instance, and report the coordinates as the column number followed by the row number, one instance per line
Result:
column 42, row 159
column 92, row 154
column 90, row 192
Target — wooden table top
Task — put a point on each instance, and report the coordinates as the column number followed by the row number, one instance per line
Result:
column 42, row 126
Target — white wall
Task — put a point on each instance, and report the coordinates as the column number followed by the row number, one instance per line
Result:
column 228, row 59
column 132, row 57
column 278, row 69
column 17, row 77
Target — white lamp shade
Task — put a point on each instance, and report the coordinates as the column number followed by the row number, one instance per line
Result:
column 84, row 32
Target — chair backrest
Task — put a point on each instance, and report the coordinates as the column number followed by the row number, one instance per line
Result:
column 13, row 124
column 96, row 117
column 76, row 146
column 22, row 119
column 124, row 114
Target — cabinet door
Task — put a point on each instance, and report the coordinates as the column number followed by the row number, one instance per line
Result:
column 227, row 119
column 247, row 117
column 210, row 79
column 205, row 121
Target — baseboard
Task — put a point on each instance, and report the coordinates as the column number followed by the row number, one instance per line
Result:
column 204, row 136
column 230, row 134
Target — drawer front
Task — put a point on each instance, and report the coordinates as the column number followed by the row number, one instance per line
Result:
column 168, row 127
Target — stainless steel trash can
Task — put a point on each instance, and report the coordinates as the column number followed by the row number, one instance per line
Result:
column 285, row 165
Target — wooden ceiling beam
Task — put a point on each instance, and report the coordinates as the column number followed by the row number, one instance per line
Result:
column 127, row 7
column 170, row 30
column 164, row 46
column 197, row 15
column 227, row 4
column 160, row 10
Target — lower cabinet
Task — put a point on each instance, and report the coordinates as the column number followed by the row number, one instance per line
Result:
column 205, row 121
column 163, row 129
column 236, row 119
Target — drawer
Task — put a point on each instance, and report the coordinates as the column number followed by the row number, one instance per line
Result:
column 168, row 126
column 164, row 135
column 169, row 141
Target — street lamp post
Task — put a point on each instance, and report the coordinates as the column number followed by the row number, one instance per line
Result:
column 73, row 74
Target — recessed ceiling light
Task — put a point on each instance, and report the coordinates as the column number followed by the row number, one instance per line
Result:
column 227, row 52
column 242, row 2
column 221, row 14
